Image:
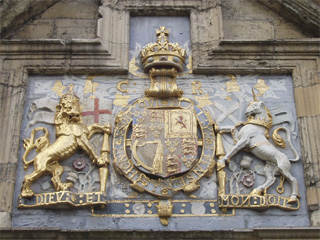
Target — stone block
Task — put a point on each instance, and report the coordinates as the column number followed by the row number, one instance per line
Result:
column 84, row 9
column 11, row 171
column 3, row 172
column 245, row 29
column 307, row 99
column 287, row 30
column 315, row 219
column 8, row 192
column 75, row 33
column 35, row 30
column 246, row 9
column 5, row 220
column 313, row 198
column 75, row 23
column 7, row 188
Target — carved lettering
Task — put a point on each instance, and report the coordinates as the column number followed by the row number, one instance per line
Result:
column 196, row 87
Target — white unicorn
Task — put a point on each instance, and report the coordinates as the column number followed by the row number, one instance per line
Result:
column 253, row 136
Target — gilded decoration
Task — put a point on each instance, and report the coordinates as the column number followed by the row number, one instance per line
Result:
column 170, row 139
column 71, row 135
column 174, row 153
column 253, row 137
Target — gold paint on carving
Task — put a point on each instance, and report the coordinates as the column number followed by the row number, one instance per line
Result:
column 203, row 101
column 133, row 69
column 163, row 52
column 261, row 86
column 280, row 188
column 265, row 121
column 149, row 212
column 158, row 158
column 119, row 84
column 121, row 100
column 190, row 65
column 278, row 139
column 71, row 134
column 58, row 88
column 232, row 86
column 256, row 200
column 103, row 172
column 164, row 211
column 196, row 87
column 90, row 86
column 163, row 84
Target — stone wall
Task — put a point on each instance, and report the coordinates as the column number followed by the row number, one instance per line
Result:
column 245, row 19
column 233, row 42
column 64, row 20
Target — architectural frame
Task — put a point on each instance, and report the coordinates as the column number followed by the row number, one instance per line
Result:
column 212, row 54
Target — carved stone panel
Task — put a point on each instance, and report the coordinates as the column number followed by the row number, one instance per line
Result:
column 186, row 151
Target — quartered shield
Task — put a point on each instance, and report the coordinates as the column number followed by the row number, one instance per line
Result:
column 164, row 141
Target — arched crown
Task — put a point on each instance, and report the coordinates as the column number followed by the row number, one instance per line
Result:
column 163, row 54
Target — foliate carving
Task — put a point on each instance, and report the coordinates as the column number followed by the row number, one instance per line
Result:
column 253, row 137
column 71, row 135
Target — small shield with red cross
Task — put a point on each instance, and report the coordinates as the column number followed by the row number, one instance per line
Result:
column 97, row 110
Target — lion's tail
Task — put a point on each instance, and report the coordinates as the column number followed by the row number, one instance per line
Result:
column 39, row 144
column 279, row 141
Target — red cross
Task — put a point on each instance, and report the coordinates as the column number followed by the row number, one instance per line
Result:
column 96, row 112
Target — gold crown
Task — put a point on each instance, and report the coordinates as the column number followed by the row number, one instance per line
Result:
column 70, row 96
column 267, row 123
column 162, row 53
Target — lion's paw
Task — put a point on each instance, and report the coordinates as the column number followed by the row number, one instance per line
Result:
column 27, row 193
column 66, row 186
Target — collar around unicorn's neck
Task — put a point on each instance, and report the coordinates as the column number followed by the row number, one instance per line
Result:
column 267, row 123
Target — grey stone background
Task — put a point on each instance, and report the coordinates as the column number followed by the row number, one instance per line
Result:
column 281, row 91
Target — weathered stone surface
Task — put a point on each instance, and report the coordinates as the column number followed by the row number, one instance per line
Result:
column 248, row 29
column 313, row 198
column 304, row 13
column 14, row 13
column 73, row 9
column 5, row 220
column 315, row 218
column 18, row 59
column 283, row 29
column 36, row 29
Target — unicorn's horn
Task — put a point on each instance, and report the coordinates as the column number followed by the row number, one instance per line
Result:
column 254, row 96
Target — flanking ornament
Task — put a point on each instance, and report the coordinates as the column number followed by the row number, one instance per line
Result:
column 71, row 135
column 253, row 137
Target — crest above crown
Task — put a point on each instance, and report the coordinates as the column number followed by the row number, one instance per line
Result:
column 163, row 54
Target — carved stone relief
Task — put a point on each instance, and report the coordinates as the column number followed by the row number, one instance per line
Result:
column 169, row 128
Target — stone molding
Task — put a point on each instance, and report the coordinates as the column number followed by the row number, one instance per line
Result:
column 109, row 55
column 304, row 13
column 259, row 233
column 14, row 13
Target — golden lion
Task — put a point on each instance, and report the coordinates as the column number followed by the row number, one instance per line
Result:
column 71, row 134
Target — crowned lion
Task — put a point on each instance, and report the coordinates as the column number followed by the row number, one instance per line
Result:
column 71, row 134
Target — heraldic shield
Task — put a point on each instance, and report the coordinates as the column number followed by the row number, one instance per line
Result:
column 164, row 143
column 164, row 146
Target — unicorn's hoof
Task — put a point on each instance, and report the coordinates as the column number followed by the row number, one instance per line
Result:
column 293, row 199
column 256, row 192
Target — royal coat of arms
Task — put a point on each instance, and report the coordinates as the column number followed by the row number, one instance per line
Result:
column 163, row 143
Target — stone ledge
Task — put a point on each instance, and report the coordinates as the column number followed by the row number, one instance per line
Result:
column 259, row 233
